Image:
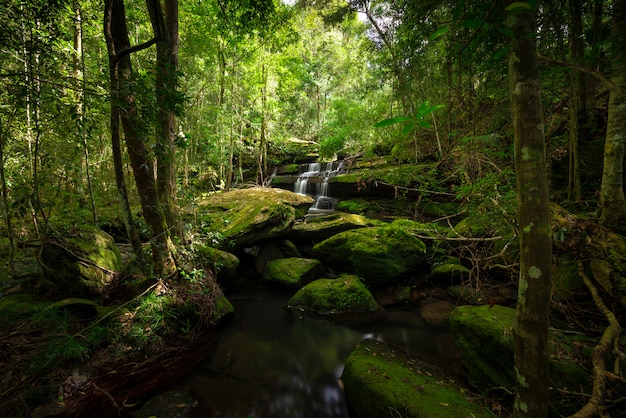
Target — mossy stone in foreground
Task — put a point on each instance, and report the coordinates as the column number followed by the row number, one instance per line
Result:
column 378, row 255
column 292, row 272
column 346, row 294
column 485, row 338
column 383, row 382
column 83, row 262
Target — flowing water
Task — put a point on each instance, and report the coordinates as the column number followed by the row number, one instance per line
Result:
column 273, row 363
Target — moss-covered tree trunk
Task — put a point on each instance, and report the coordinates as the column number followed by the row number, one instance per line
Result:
column 166, row 22
column 116, row 148
column 530, row 328
column 162, row 259
column 612, row 200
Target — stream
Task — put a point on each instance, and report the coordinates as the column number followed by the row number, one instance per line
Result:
column 270, row 362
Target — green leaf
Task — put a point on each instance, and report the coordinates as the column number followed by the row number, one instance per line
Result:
column 457, row 10
column 501, row 52
column 506, row 32
column 519, row 7
column 472, row 23
column 438, row 33
column 392, row 121
column 408, row 128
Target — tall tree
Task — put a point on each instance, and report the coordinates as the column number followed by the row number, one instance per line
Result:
column 530, row 329
column 120, row 49
column 165, row 24
column 612, row 201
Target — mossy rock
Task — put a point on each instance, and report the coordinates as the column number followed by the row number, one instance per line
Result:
column 243, row 217
column 381, row 381
column 380, row 255
column 82, row 262
column 292, row 272
column 484, row 336
column 320, row 227
column 81, row 308
column 448, row 272
column 18, row 306
column 334, row 297
column 225, row 264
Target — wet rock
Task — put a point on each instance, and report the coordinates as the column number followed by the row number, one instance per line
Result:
column 380, row 255
column 335, row 297
column 449, row 271
column 293, row 272
column 380, row 381
column 484, row 335
column 436, row 313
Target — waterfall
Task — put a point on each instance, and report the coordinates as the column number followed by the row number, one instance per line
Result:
column 302, row 183
column 323, row 203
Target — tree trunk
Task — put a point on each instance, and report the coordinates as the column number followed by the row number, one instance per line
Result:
column 576, row 100
column 530, row 329
column 166, row 84
column 79, row 74
column 612, row 202
column 4, row 205
column 162, row 259
column 118, row 164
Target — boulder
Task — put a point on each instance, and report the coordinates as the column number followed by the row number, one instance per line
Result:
column 243, row 217
column 484, row 336
column 293, row 272
column 448, row 271
column 380, row 255
column 321, row 227
column 82, row 262
column 436, row 313
column 339, row 298
column 224, row 264
column 381, row 381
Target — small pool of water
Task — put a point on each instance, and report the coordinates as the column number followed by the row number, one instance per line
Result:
column 272, row 363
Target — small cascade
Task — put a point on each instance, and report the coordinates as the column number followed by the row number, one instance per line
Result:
column 323, row 202
column 302, row 183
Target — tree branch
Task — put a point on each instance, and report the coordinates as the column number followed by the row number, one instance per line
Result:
column 604, row 79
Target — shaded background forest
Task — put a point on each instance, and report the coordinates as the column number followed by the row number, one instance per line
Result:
column 258, row 83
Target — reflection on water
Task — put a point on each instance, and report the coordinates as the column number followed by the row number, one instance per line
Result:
column 274, row 363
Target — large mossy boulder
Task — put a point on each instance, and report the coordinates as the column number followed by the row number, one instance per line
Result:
column 345, row 297
column 81, row 262
column 243, row 217
column 292, row 272
column 323, row 226
column 379, row 255
column 381, row 381
column 485, row 338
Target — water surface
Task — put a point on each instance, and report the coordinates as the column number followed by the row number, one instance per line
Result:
column 272, row 363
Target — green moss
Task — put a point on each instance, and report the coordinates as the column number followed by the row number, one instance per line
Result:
column 19, row 306
column 292, row 272
column 380, row 381
column 442, row 272
column 346, row 294
column 222, row 308
column 377, row 254
column 484, row 336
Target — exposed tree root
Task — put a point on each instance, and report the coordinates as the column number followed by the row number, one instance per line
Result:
column 610, row 339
